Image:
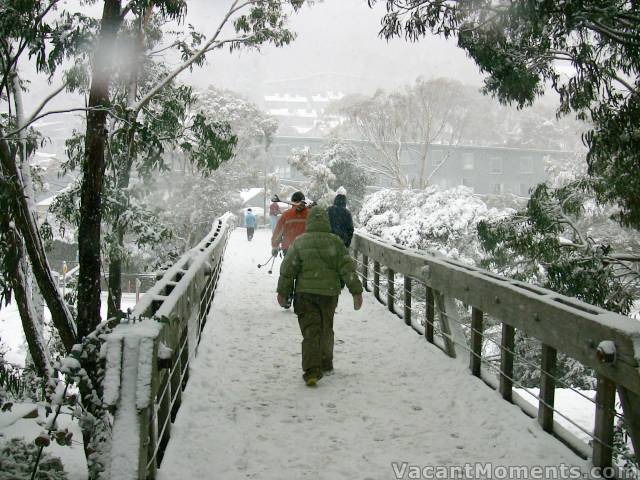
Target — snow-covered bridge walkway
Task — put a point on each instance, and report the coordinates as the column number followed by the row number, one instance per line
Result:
column 393, row 397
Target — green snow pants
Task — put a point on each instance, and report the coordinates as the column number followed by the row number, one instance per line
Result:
column 315, row 317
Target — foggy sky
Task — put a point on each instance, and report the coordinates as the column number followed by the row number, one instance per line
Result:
column 335, row 36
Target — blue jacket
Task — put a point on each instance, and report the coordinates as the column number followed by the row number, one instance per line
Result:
column 250, row 220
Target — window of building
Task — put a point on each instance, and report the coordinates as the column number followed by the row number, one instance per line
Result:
column 526, row 165
column 497, row 188
column 467, row 161
column 467, row 182
column 436, row 158
column 495, row 165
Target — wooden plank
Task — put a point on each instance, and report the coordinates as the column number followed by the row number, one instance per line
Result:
column 376, row 280
column 430, row 315
column 176, row 386
column 603, row 428
column 507, row 347
column 547, row 388
column 365, row 272
column 631, row 408
column 407, row 300
column 391, row 290
column 164, row 413
column 475, row 357
column 445, row 325
column 564, row 323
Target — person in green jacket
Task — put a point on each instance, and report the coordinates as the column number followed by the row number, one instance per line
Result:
column 318, row 264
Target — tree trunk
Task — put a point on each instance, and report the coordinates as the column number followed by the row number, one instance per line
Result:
column 26, row 225
column 114, row 300
column 93, row 173
column 28, row 314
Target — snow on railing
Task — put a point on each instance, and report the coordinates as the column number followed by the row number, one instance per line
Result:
column 604, row 341
column 147, row 358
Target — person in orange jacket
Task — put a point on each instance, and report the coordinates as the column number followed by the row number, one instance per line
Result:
column 291, row 224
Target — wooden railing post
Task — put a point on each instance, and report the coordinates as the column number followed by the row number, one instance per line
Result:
column 391, row 290
column 176, row 385
column 603, row 428
column 376, row 279
column 445, row 324
column 547, row 388
column 475, row 360
column 430, row 313
column 506, row 361
column 407, row 300
column 365, row 272
column 164, row 413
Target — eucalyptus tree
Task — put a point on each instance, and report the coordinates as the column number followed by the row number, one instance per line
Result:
column 252, row 23
column 587, row 51
column 411, row 118
column 42, row 34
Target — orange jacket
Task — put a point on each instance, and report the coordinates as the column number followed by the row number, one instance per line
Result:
column 290, row 224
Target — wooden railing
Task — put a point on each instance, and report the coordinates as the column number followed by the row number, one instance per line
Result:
column 604, row 341
column 147, row 358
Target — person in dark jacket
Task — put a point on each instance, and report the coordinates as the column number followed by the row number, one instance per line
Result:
column 340, row 218
column 318, row 264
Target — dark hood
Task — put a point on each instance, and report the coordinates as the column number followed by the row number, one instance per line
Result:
column 340, row 201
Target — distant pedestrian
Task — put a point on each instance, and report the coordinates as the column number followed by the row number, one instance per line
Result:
column 274, row 212
column 340, row 218
column 316, row 266
column 250, row 222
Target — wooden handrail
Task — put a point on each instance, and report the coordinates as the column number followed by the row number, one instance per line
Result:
column 562, row 324
column 148, row 357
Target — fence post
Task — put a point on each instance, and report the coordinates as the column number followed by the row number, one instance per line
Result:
column 428, row 328
column 445, row 325
column 506, row 361
column 176, row 384
column 603, row 428
column 376, row 279
column 391, row 290
column 365, row 272
column 476, row 341
column 407, row 300
column 164, row 413
column 547, row 388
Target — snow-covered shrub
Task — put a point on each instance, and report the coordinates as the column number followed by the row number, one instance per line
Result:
column 17, row 459
column 433, row 219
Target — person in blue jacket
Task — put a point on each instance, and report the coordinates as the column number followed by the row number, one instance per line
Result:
column 250, row 222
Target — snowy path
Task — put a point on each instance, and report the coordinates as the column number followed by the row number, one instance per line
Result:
column 392, row 398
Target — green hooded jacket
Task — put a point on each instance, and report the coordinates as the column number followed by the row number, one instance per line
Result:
column 318, row 261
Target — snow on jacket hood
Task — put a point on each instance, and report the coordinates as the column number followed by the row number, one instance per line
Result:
column 318, row 220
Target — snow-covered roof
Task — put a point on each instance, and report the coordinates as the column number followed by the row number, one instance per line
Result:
column 249, row 193
column 300, row 130
column 49, row 200
column 285, row 98
column 279, row 112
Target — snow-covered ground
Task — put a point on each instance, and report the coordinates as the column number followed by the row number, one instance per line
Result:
column 393, row 398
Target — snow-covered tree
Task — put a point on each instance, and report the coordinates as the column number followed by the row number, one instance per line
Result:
column 433, row 219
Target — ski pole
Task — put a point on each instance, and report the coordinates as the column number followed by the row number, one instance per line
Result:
column 260, row 265
column 272, row 262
